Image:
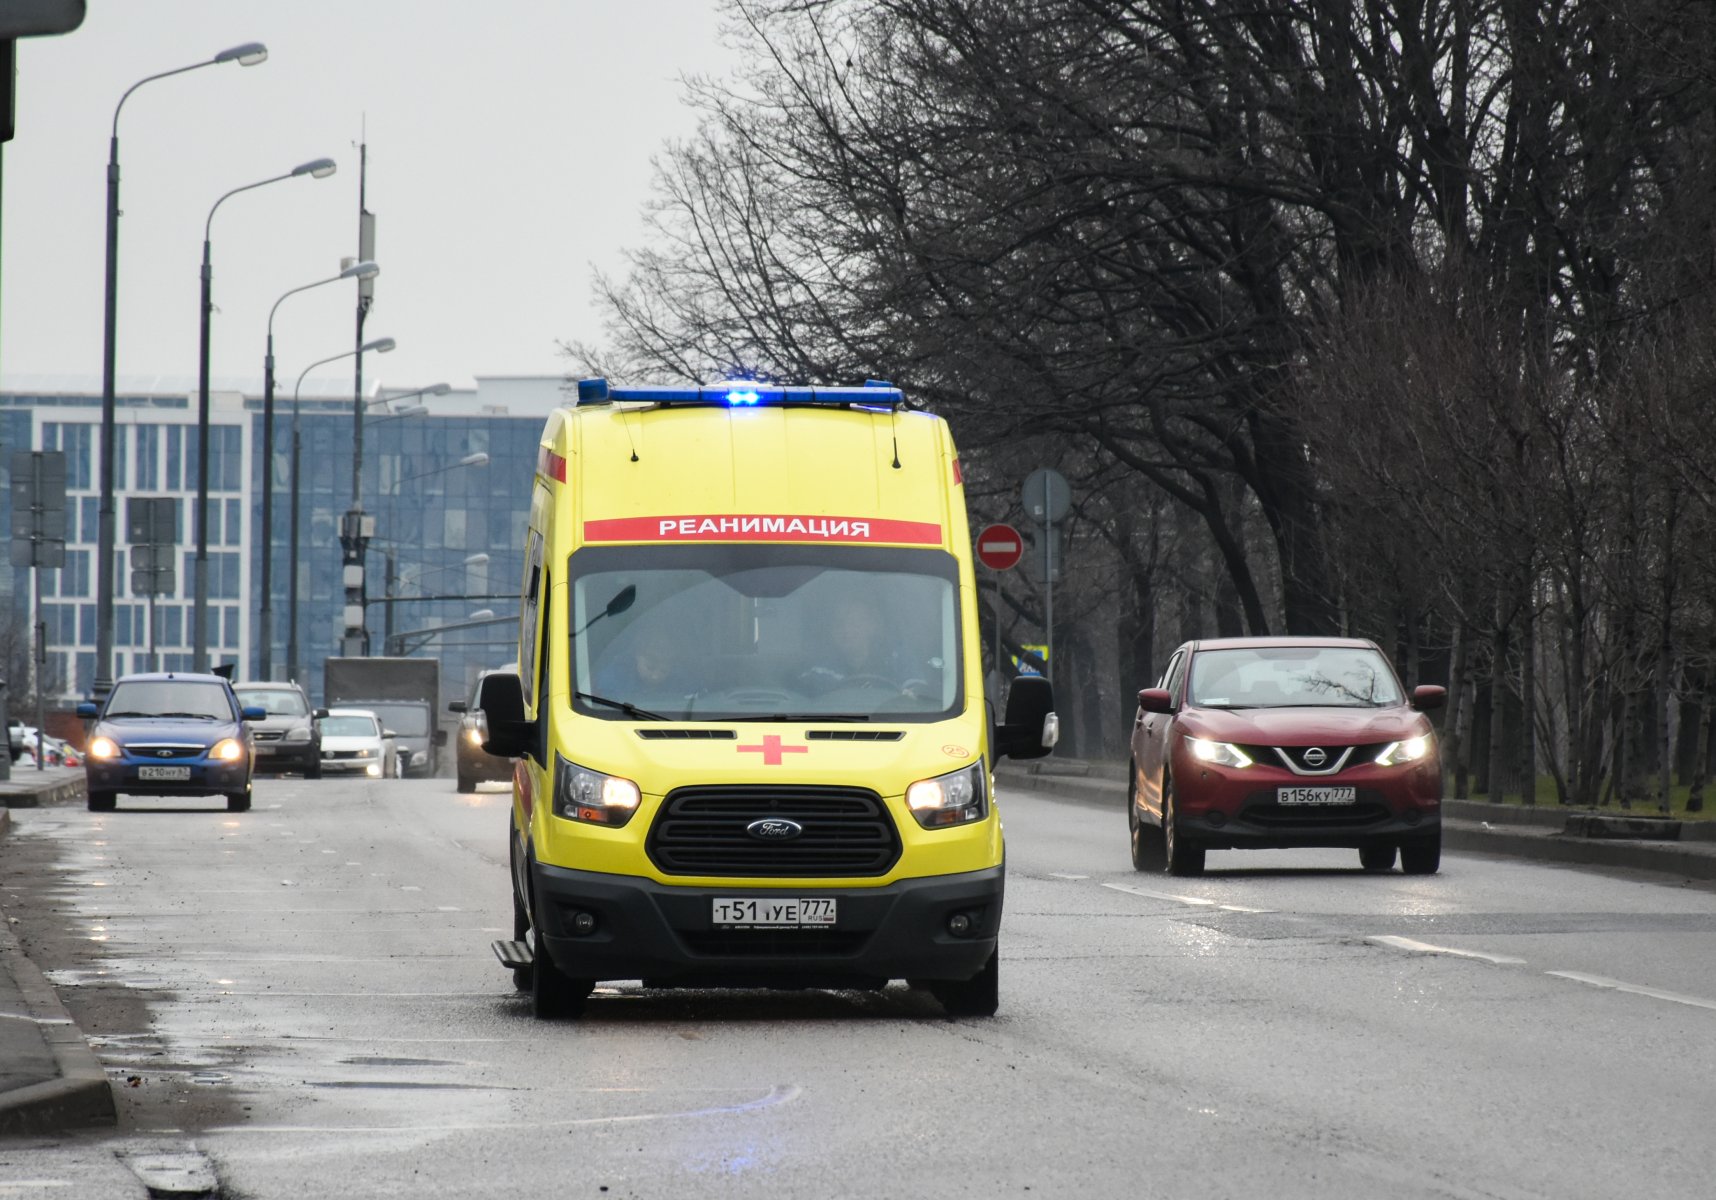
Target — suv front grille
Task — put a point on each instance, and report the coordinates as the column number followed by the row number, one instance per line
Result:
column 702, row 831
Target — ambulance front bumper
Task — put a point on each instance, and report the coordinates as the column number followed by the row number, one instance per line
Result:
column 667, row 935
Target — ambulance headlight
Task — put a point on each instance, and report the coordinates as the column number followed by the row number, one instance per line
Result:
column 581, row 794
column 955, row 799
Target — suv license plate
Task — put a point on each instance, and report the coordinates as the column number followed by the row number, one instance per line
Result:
column 164, row 773
column 1316, row 795
column 773, row 913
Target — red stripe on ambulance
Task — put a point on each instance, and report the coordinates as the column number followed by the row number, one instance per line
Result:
column 758, row 527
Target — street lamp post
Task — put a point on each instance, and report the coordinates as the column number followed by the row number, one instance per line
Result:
column 380, row 346
column 247, row 55
column 265, row 653
column 320, row 168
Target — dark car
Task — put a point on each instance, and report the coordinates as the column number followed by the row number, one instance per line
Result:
column 1284, row 742
column 169, row 735
column 289, row 738
column 475, row 764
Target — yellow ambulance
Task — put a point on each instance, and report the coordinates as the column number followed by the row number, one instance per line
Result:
column 748, row 720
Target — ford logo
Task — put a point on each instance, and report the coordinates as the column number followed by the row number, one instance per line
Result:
column 774, row 829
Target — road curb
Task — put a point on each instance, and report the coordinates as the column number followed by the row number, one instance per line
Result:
column 20, row 792
column 81, row 1096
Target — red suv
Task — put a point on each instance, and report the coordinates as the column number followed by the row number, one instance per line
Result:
column 1273, row 742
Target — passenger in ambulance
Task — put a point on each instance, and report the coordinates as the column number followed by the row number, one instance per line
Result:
column 652, row 667
column 861, row 651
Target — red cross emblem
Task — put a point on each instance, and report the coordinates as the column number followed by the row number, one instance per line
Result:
column 771, row 750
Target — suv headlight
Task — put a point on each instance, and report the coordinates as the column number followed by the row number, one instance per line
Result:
column 1222, row 754
column 1411, row 750
column 957, row 798
column 581, row 794
column 298, row 733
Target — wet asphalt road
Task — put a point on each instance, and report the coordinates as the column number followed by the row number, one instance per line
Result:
column 301, row 1001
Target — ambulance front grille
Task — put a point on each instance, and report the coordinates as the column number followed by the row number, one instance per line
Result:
column 845, row 832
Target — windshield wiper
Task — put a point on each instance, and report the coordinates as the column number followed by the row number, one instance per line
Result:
column 831, row 717
column 196, row 716
column 111, row 715
column 630, row 709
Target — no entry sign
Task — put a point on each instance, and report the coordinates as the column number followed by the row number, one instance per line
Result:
column 999, row 547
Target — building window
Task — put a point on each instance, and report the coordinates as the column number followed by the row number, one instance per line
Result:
column 91, row 523
column 86, row 624
column 234, row 526
column 173, row 627
column 230, row 641
column 148, row 457
column 174, row 480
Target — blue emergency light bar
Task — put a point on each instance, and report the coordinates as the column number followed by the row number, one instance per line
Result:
column 744, row 393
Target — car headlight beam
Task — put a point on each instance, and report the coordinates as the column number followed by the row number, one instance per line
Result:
column 957, row 798
column 1222, row 754
column 103, row 747
column 1413, row 749
column 227, row 750
column 581, row 794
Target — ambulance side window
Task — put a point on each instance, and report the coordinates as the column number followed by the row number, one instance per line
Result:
column 530, row 615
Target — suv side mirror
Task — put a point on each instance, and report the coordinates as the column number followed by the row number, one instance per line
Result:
column 1031, row 728
column 1428, row 696
column 1156, row 700
column 501, row 724
column 457, row 706
column 320, row 714
column 88, row 711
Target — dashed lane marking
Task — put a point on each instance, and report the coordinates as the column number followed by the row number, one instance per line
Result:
column 1417, row 947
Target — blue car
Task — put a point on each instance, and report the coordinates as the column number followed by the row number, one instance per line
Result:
column 170, row 735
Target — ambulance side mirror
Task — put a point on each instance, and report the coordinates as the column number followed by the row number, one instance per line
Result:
column 1031, row 728
column 501, row 725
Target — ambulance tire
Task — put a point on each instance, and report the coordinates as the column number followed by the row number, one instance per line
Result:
column 103, row 801
column 553, row 994
column 978, row 996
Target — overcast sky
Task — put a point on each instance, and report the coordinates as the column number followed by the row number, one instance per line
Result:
column 509, row 154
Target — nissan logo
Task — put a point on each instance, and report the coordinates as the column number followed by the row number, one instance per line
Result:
column 774, row 829
column 1314, row 757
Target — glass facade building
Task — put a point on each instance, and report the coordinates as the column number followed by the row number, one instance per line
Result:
column 447, row 541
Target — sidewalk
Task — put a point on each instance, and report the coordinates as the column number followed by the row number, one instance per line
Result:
column 50, row 1080
column 1579, row 837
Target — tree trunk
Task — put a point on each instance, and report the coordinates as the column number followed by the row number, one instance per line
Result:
column 1528, row 706
column 1454, row 740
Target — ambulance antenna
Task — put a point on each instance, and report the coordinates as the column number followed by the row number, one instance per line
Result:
column 627, row 426
column 896, row 433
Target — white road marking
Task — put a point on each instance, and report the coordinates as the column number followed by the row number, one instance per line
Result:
column 781, row 1094
column 1195, row 901
column 1617, row 985
column 1417, row 947
column 1064, row 875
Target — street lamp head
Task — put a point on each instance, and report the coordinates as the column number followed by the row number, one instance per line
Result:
column 482, row 614
column 479, row 459
column 440, row 389
column 414, row 410
column 476, row 560
column 361, row 270
column 247, row 55
column 319, row 168
column 379, row 346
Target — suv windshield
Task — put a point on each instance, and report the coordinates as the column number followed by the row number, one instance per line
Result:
column 1293, row 677
column 169, row 698
column 737, row 632
column 278, row 702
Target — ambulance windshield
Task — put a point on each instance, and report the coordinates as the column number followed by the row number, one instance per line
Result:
column 746, row 632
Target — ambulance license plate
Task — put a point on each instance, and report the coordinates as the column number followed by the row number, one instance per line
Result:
column 1316, row 795
column 164, row 773
column 785, row 912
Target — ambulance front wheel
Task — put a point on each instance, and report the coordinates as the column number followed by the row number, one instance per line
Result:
column 554, row 995
column 978, row 996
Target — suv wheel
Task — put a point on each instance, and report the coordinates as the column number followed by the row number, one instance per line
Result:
column 1147, row 849
column 1422, row 857
column 1182, row 856
column 103, row 801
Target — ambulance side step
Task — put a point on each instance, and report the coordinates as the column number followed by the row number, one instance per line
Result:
column 512, row 954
